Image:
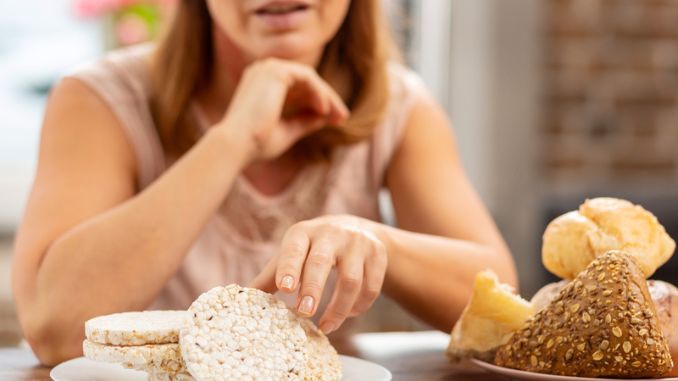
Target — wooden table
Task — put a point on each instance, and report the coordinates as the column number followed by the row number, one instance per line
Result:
column 409, row 356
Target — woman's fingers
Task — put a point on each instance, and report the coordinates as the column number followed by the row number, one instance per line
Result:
column 375, row 270
column 265, row 280
column 310, row 250
column 323, row 99
column 293, row 252
column 349, row 283
column 319, row 262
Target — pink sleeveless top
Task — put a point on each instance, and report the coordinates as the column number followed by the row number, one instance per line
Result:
column 245, row 232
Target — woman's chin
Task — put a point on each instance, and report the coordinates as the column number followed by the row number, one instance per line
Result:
column 294, row 48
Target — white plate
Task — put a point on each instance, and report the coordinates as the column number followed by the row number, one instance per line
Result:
column 522, row 375
column 82, row 369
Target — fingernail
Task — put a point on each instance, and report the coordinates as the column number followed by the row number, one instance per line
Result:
column 306, row 305
column 287, row 282
column 327, row 327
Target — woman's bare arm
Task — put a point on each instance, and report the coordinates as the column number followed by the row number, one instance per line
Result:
column 87, row 245
column 445, row 234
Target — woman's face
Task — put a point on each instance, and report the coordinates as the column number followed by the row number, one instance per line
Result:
column 289, row 29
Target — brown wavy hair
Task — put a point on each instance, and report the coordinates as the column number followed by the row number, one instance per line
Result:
column 354, row 63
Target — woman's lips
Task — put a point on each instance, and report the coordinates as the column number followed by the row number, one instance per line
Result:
column 282, row 16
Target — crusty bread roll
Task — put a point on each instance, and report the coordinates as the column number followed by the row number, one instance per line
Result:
column 602, row 324
column 574, row 239
column 665, row 298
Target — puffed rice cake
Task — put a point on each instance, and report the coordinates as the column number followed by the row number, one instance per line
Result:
column 164, row 357
column 237, row 333
column 136, row 328
column 164, row 376
column 323, row 361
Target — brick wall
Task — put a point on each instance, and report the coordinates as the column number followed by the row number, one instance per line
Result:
column 611, row 72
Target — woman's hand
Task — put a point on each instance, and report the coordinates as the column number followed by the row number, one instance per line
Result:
column 278, row 102
column 310, row 249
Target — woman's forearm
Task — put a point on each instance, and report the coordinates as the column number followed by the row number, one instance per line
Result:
column 432, row 277
column 120, row 260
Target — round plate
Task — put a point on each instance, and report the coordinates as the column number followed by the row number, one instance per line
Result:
column 522, row 375
column 82, row 369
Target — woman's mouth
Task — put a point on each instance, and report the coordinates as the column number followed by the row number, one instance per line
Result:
column 282, row 7
column 282, row 14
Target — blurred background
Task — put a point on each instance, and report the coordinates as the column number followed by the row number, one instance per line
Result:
column 552, row 101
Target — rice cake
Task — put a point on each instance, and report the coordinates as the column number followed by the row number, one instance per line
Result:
column 243, row 334
column 136, row 328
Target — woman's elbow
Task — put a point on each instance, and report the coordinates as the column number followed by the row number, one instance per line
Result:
column 51, row 342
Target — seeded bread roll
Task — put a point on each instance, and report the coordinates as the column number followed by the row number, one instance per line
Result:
column 574, row 239
column 161, row 356
column 603, row 324
column 665, row 298
column 136, row 328
column 237, row 333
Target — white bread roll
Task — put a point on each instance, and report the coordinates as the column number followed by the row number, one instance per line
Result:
column 574, row 239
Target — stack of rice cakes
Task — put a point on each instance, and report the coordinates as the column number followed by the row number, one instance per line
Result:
column 228, row 333
column 146, row 341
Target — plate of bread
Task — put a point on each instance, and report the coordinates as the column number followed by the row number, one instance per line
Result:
column 604, row 320
column 228, row 333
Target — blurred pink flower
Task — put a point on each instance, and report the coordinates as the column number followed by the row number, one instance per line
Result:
column 131, row 30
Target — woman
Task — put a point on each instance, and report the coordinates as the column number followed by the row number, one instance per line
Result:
column 255, row 132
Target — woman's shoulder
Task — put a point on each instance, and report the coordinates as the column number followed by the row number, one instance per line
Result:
column 406, row 88
column 404, row 82
column 122, row 73
column 135, row 55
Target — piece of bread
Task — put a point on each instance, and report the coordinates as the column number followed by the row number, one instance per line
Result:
column 492, row 314
column 136, row 328
column 602, row 324
column 574, row 239
column 665, row 297
column 166, row 357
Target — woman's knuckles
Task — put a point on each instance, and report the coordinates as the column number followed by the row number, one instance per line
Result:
column 320, row 259
column 350, row 283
